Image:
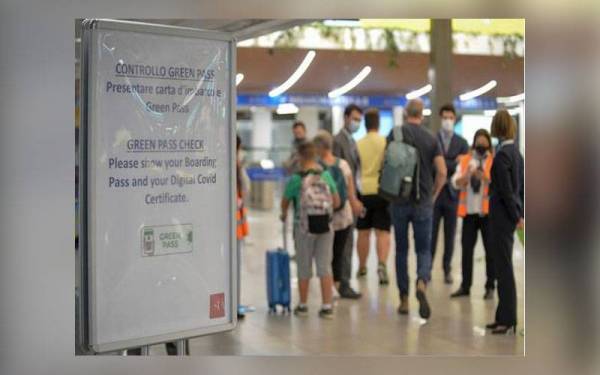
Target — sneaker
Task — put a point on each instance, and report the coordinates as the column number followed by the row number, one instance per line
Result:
column 301, row 310
column 347, row 292
column 382, row 273
column 424, row 309
column 326, row 313
column 362, row 272
column 460, row 293
column 403, row 308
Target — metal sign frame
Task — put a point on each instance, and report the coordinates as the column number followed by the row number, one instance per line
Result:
column 83, row 344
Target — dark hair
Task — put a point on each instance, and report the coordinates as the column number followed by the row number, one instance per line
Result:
column 238, row 142
column 482, row 133
column 299, row 124
column 307, row 150
column 447, row 108
column 503, row 125
column 350, row 108
column 372, row 119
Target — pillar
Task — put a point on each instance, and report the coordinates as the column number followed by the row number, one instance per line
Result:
column 440, row 68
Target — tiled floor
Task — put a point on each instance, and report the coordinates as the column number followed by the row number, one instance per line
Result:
column 371, row 325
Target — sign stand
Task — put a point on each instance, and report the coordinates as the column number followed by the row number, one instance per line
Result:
column 157, row 186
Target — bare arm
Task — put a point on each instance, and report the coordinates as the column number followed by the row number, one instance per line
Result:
column 285, row 204
column 336, row 200
column 356, row 205
column 440, row 175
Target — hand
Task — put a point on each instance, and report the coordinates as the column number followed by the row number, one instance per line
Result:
column 521, row 223
column 357, row 207
column 478, row 174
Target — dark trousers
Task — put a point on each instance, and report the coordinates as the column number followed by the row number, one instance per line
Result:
column 445, row 207
column 501, row 241
column 342, row 255
column 472, row 224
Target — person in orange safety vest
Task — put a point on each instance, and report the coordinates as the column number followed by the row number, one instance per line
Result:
column 472, row 179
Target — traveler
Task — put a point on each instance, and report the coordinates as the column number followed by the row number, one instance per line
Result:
column 299, row 131
column 452, row 146
column 418, row 211
column 371, row 149
column 472, row 180
column 240, row 216
column 506, row 214
column 342, row 219
column 314, row 196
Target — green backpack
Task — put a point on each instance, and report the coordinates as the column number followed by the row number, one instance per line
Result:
column 399, row 179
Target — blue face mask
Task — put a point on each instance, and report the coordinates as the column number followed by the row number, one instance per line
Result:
column 354, row 126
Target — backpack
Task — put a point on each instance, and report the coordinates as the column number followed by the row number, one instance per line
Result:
column 399, row 178
column 316, row 203
column 340, row 181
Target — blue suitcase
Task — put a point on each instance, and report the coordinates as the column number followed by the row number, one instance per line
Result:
column 278, row 278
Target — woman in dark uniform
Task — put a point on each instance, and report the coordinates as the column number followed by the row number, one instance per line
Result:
column 506, row 214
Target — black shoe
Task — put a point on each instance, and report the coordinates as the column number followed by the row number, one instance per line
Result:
column 347, row 292
column 241, row 316
column 448, row 278
column 491, row 325
column 326, row 313
column 489, row 294
column 460, row 293
column 504, row 330
column 424, row 309
column 301, row 310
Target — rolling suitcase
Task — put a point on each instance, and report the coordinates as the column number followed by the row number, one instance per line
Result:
column 278, row 278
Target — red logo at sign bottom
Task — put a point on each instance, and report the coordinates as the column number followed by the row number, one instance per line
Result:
column 217, row 305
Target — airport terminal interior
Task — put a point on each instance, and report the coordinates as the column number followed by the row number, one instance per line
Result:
column 478, row 65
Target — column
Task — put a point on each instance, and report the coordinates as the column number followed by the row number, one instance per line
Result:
column 440, row 63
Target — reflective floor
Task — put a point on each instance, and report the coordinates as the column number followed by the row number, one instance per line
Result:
column 369, row 326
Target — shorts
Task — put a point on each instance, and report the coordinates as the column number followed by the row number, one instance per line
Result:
column 377, row 214
column 313, row 246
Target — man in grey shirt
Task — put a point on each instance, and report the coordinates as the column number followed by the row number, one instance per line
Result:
column 344, row 147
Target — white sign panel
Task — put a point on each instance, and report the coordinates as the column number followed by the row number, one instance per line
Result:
column 160, row 185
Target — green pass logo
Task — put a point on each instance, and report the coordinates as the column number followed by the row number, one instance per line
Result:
column 148, row 241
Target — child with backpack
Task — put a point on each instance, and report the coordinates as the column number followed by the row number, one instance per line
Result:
column 343, row 216
column 314, row 195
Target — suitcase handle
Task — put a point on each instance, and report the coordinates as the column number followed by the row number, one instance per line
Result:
column 284, row 228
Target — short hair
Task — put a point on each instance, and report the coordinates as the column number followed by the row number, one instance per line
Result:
column 324, row 140
column 482, row 133
column 299, row 124
column 372, row 119
column 350, row 108
column 449, row 107
column 503, row 125
column 307, row 150
column 414, row 108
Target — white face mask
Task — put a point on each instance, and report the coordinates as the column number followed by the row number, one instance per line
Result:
column 448, row 125
column 354, row 126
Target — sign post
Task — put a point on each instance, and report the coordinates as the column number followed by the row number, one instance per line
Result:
column 158, row 185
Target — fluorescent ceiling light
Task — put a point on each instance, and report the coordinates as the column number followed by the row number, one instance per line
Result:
column 427, row 112
column 419, row 92
column 350, row 85
column 286, row 109
column 295, row 76
column 475, row 93
column 239, row 78
column 511, row 99
column 342, row 23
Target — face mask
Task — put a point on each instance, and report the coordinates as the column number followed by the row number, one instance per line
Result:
column 480, row 150
column 448, row 125
column 354, row 126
